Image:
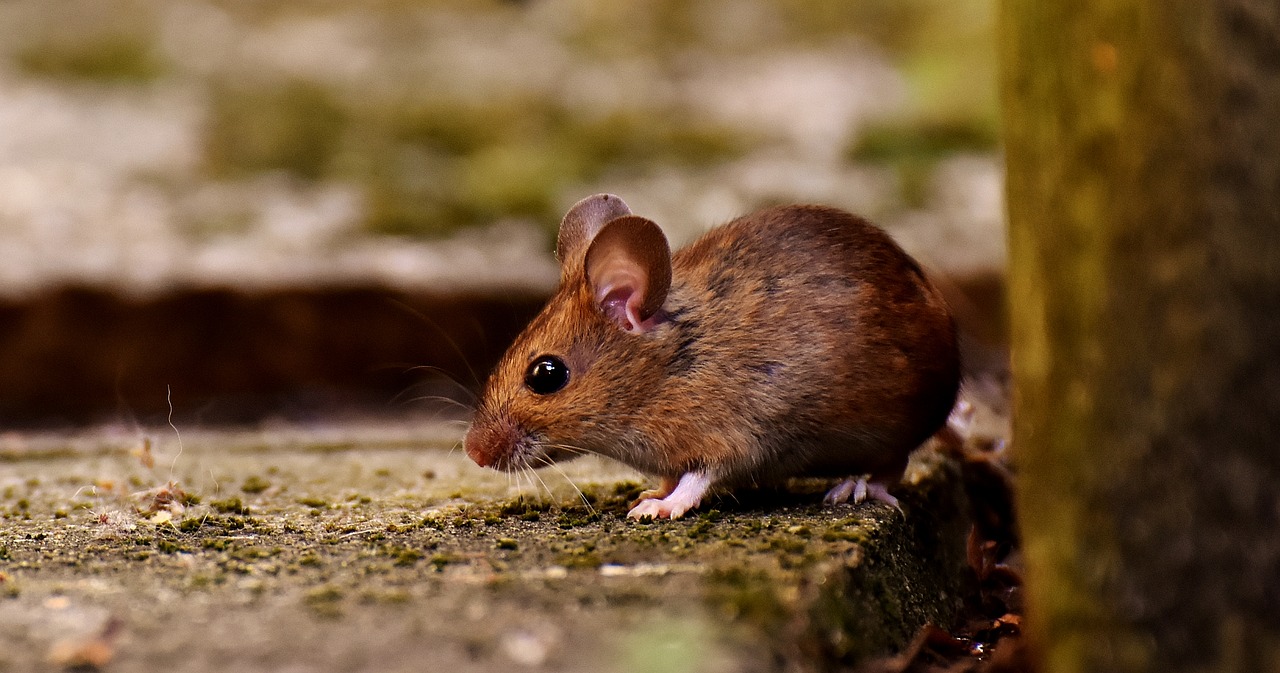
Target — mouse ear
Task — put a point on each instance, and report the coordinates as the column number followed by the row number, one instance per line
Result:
column 581, row 224
column 629, row 268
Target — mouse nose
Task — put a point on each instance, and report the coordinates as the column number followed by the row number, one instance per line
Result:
column 491, row 441
column 477, row 448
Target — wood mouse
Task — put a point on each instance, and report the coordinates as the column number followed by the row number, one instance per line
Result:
column 795, row 341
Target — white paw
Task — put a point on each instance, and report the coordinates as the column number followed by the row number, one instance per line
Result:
column 657, row 509
column 687, row 494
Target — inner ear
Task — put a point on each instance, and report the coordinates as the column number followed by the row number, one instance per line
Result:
column 628, row 266
column 581, row 224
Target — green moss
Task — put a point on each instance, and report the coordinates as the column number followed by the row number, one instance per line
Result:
column 215, row 544
column 255, row 484
column 253, row 553
column 625, row 492
column 515, row 179
column 646, row 138
column 200, row 581
column 746, row 594
column 836, row 535
column 699, row 530
column 430, row 167
column 520, row 507
column 577, row 515
column 388, row 597
column 324, row 601
column 913, row 149
column 407, row 557
column 108, row 58
column 580, row 558
column 317, row 503
column 923, row 140
column 297, row 126
column 169, row 546
column 441, row 560
column 786, row 543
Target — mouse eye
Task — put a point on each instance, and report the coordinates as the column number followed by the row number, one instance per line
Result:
column 546, row 375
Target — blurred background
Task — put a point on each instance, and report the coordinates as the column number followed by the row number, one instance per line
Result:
column 289, row 211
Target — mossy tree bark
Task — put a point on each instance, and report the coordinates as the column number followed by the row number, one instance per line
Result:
column 1143, row 157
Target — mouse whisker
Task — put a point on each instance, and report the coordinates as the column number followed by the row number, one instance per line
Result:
column 534, row 474
column 523, row 483
column 463, row 388
column 447, row 401
column 448, row 339
column 465, row 396
column 581, row 495
column 569, row 448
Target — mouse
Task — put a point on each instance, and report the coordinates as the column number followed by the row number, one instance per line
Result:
column 796, row 341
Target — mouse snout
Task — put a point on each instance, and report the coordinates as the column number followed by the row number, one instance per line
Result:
column 478, row 446
column 490, row 443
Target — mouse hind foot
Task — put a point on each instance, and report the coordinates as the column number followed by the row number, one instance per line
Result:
column 855, row 489
column 859, row 490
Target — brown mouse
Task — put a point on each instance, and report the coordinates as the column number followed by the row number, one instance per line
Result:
column 795, row 341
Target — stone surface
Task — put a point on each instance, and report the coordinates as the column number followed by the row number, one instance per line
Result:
column 380, row 547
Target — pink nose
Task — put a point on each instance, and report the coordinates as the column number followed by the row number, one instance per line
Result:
column 476, row 447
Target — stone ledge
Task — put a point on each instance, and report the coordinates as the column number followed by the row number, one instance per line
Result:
column 379, row 554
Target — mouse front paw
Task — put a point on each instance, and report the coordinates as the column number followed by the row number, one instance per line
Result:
column 686, row 495
column 657, row 509
column 668, row 485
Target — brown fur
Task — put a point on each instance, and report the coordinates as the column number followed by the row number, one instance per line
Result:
column 799, row 340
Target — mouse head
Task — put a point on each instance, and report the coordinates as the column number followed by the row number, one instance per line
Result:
column 573, row 380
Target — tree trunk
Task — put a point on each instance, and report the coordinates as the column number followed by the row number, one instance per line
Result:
column 1143, row 158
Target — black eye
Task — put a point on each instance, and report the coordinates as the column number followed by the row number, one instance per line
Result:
column 546, row 375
